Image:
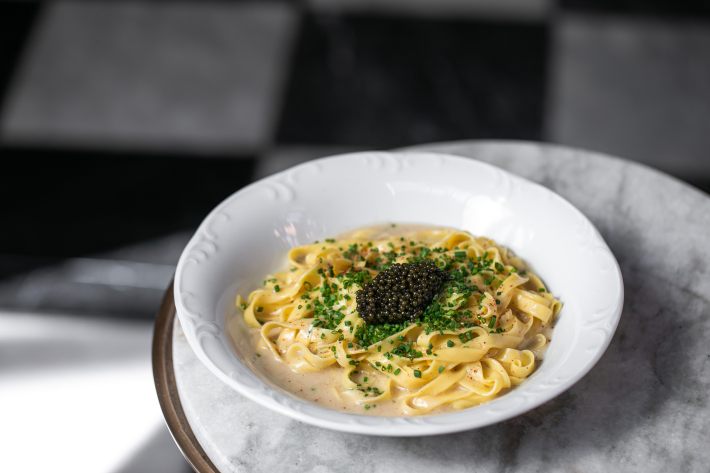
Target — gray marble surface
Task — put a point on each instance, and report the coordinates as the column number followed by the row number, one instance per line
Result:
column 643, row 407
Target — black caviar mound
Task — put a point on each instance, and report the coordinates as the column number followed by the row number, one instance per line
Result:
column 400, row 293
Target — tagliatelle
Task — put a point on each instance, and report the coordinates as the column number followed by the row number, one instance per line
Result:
column 482, row 335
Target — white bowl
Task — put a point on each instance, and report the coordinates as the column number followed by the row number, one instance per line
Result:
column 248, row 235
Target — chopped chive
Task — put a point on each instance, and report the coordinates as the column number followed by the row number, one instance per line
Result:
column 466, row 336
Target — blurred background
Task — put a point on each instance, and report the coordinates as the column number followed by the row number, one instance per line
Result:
column 122, row 123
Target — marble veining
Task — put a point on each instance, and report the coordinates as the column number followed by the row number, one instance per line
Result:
column 644, row 406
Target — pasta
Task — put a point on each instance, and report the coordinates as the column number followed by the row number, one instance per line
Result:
column 481, row 335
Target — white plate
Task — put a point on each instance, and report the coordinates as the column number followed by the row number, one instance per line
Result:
column 248, row 235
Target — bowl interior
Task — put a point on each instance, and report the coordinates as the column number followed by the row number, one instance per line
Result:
column 249, row 234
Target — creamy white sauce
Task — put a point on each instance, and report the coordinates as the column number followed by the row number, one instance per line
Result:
column 322, row 387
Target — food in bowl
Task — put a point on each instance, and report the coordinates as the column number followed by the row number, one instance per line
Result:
column 400, row 320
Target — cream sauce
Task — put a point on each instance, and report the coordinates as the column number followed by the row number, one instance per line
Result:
column 322, row 387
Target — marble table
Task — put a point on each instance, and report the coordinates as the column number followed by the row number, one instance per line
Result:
column 644, row 407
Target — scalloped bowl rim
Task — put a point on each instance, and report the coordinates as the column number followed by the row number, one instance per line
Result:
column 203, row 319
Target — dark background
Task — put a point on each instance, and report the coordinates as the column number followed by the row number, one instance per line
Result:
column 122, row 123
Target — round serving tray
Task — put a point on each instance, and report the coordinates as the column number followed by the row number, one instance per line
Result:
column 637, row 409
column 164, row 377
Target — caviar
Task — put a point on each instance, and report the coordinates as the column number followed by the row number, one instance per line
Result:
column 400, row 293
